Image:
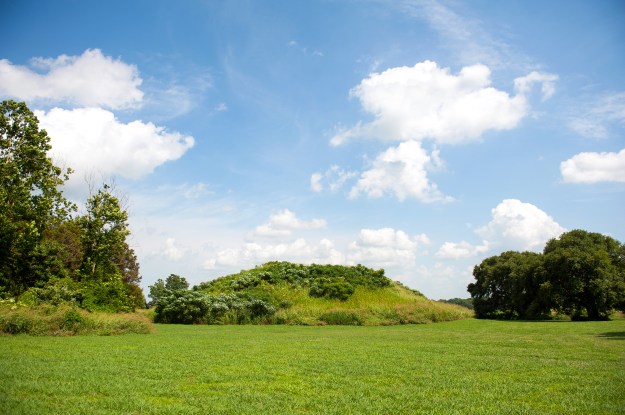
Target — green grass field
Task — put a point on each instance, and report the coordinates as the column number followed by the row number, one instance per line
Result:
column 461, row 367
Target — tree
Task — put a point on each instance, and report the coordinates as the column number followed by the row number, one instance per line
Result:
column 173, row 283
column 104, row 232
column 586, row 273
column 30, row 199
column 109, row 270
column 508, row 286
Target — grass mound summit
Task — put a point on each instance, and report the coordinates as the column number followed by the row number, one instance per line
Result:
column 287, row 293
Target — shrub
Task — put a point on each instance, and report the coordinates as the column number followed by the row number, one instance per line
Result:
column 57, row 291
column 327, row 288
column 185, row 307
column 341, row 318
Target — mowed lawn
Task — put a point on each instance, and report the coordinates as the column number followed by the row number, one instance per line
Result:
column 462, row 367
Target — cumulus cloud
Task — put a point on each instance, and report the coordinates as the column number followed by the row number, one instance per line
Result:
column 91, row 79
column 428, row 102
column 385, row 247
column 284, row 222
column 519, row 226
column 333, row 179
column 299, row 251
column 171, row 250
column 452, row 250
column 93, row 140
column 401, row 171
column 594, row 167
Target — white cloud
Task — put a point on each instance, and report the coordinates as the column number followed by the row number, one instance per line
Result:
column 523, row 85
column 452, row 250
column 334, row 178
column 401, row 171
column 171, row 251
column 90, row 79
column 284, row 222
column 297, row 251
column 519, row 226
column 92, row 140
column 425, row 101
column 594, row 119
column 594, row 167
column 385, row 247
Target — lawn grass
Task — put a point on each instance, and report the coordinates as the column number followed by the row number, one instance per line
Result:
column 461, row 367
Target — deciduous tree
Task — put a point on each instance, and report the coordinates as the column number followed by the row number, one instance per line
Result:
column 30, row 197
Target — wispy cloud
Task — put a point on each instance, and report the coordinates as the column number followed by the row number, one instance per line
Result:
column 467, row 38
column 597, row 118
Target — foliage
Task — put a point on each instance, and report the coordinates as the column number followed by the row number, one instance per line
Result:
column 464, row 302
column 56, row 291
column 586, row 274
column 341, row 318
column 47, row 254
column 509, row 286
column 104, row 232
column 163, row 288
column 195, row 307
column 329, row 281
column 337, row 288
column 30, row 199
column 580, row 274
column 66, row 320
column 477, row 367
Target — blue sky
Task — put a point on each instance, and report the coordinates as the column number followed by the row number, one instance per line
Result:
column 416, row 136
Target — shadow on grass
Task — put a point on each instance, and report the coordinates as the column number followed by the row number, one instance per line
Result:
column 613, row 335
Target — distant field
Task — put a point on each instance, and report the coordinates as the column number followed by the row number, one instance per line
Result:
column 461, row 367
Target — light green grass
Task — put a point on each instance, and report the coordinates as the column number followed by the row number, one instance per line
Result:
column 461, row 367
column 372, row 307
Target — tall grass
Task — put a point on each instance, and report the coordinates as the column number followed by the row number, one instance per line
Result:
column 63, row 320
column 370, row 307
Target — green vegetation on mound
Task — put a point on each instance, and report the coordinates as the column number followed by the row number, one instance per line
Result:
column 65, row 320
column 287, row 293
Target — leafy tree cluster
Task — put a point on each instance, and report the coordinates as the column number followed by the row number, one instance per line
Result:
column 327, row 281
column 176, row 304
column 580, row 274
column 49, row 253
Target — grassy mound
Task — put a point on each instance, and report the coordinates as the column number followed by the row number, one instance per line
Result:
column 64, row 320
column 332, row 295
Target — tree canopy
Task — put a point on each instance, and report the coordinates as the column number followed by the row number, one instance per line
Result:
column 46, row 248
column 581, row 274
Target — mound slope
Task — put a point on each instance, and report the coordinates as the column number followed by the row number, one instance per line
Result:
column 331, row 294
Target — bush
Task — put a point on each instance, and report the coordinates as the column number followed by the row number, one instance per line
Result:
column 185, row 307
column 57, row 291
column 327, row 288
column 193, row 307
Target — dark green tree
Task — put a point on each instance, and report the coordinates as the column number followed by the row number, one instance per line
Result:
column 509, row 285
column 173, row 283
column 586, row 273
column 109, row 270
column 104, row 232
column 30, row 199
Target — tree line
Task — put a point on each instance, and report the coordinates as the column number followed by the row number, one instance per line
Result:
column 48, row 251
column 580, row 274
